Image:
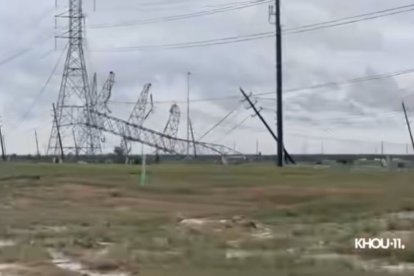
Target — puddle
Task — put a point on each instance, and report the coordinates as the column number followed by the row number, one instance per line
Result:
column 65, row 263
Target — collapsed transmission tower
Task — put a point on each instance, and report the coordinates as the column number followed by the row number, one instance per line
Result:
column 171, row 128
column 155, row 139
column 139, row 114
column 100, row 100
column 75, row 91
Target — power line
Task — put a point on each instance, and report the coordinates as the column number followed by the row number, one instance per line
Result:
column 242, row 5
column 264, row 35
column 349, row 81
column 182, row 16
column 218, row 123
column 297, row 89
column 347, row 140
column 14, row 56
column 170, row 5
column 351, row 19
column 43, row 89
column 237, row 126
column 190, row 44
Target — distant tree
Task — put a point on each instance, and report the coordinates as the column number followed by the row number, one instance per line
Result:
column 157, row 158
column 118, row 151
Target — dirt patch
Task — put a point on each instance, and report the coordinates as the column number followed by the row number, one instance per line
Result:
column 82, row 192
column 50, row 229
column 238, row 254
column 409, row 215
column 7, row 243
column 12, row 270
column 373, row 265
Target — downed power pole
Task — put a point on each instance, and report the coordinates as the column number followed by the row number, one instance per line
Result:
column 3, row 150
column 288, row 156
column 408, row 124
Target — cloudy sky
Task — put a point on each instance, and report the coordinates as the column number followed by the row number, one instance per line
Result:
column 340, row 118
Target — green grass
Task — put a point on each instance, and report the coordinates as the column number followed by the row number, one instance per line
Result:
column 80, row 208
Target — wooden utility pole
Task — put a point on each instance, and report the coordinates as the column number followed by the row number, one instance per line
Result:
column 276, row 11
column 279, row 84
column 408, row 124
column 62, row 154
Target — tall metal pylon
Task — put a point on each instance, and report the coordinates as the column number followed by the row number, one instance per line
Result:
column 139, row 114
column 173, row 123
column 75, row 91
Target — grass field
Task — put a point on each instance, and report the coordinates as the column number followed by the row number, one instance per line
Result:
column 202, row 220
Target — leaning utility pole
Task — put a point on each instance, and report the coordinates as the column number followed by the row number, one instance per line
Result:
column 3, row 150
column 408, row 124
column 279, row 81
column 75, row 92
column 287, row 155
column 37, row 144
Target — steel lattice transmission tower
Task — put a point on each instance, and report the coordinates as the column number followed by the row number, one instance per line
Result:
column 173, row 123
column 139, row 114
column 75, row 91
